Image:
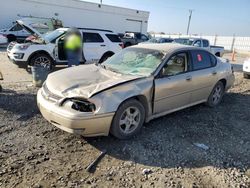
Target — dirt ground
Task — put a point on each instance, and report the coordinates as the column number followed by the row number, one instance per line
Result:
column 34, row 153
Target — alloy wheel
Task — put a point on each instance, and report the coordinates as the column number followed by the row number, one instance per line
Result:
column 130, row 120
column 217, row 94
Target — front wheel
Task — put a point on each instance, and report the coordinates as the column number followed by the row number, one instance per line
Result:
column 41, row 60
column 128, row 119
column 216, row 95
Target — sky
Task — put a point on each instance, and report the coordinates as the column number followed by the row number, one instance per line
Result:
column 210, row 17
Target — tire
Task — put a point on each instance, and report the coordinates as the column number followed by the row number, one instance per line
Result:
column 216, row 95
column 11, row 38
column 104, row 58
column 128, row 119
column 246, row 76
column 41, row 59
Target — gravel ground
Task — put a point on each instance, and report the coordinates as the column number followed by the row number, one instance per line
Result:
column 34, row 153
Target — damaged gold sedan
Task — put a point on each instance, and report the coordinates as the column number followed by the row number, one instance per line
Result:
column 133, row 87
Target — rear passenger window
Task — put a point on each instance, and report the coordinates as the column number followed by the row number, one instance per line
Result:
column 201, row 60
column 113, row 38
column 92, row 37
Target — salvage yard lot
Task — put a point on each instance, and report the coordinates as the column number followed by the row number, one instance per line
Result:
column 34, row 153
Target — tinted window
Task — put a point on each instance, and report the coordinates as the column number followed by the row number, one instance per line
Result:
column 16, row 28
column 177, row 64
column 92, row 37
column 205, row 43
column 113, row 38
column 201, row 60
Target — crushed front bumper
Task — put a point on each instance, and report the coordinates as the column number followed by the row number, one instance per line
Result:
column 90, row 125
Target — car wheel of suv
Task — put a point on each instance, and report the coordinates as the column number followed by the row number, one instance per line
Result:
column 128, row 119
column 246, row 76
column 42, row 60
column 216, row 95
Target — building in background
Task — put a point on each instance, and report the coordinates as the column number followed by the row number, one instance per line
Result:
column 76, row 13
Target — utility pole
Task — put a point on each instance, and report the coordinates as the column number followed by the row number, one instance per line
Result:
column 189, row 20
column 101, row 2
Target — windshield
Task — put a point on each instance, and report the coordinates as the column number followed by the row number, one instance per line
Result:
column 135, row 61
column 184, row 41
column 53, row 35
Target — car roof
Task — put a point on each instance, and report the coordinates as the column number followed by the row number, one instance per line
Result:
column 91, row 30
column 165, row 47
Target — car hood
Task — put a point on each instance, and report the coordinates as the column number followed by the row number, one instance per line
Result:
column 84, row 81
column 27, row 26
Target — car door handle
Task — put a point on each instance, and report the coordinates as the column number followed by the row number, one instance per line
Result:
column 189, row 78
column 214, row 73
column 103, row 45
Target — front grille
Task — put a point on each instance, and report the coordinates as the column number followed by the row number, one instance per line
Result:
column 11, row 45
column 47, row 94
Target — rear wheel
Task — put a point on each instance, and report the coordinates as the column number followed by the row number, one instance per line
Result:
column 128, row 119
column 216, row 95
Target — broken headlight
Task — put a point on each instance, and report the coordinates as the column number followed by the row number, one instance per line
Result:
column 82, row 105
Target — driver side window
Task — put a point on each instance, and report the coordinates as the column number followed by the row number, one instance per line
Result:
column 177, row 64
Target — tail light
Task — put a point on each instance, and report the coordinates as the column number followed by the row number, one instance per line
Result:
column 122, row 45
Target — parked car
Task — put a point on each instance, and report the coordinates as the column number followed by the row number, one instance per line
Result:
column 246, row 69
column 202, row 43
column 3, row 40
column 49, row 49
column 159, row 40
column 130, row 39
column 134, row 86
column 43, row 25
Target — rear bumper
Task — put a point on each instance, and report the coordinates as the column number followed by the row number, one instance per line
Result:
column 89, row 125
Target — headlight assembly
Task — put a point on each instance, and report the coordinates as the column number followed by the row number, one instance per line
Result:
column 80, row 104
column 23, row 47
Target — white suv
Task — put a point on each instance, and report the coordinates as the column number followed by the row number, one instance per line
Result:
column 98, row 45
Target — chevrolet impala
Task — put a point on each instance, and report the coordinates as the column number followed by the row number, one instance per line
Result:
column 133, row 87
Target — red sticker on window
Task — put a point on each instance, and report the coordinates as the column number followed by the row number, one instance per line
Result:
column 199, row 57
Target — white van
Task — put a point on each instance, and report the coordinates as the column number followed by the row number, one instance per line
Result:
column 49, row 49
